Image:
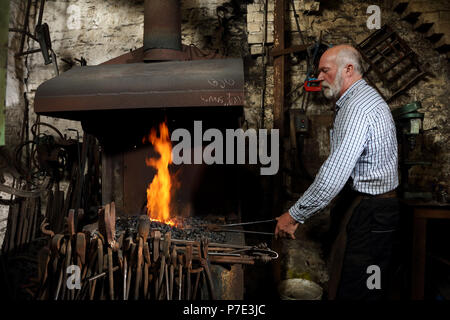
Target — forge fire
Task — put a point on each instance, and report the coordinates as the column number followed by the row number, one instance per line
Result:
column 163, row 185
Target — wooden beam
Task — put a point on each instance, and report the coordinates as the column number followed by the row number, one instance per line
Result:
column 4, row 24
column 279, row 77
column 296, row 48
column 279, row 64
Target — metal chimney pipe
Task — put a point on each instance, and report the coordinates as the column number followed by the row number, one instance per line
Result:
column 162, row 30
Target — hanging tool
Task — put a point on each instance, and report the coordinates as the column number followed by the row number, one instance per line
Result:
column 313, row 84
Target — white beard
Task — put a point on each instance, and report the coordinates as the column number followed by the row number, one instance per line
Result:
column 331, row 91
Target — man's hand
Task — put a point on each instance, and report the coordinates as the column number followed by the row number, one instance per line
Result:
column 286, row 226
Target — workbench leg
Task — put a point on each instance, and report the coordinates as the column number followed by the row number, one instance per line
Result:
column 418, row 258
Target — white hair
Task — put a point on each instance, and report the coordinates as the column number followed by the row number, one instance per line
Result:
column 349, row 55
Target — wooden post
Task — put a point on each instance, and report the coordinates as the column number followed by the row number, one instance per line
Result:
column 4, row 24
column 279, row 64
column 279, row 77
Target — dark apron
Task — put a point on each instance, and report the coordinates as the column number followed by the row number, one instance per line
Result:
column 365, row 234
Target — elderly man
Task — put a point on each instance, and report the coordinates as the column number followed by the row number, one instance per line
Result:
column 362, row 167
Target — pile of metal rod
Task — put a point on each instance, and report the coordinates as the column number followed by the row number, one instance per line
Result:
column 83, row 189
column 23, row 223
column 145, row 265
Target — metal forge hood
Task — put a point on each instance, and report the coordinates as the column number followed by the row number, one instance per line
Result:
column 164, row 73
column 200, row 83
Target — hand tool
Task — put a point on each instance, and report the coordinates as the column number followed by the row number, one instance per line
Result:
column 224, row 227
column 102, row 221
column 143, row 226
column 62, row 251
column 71, row 222
column 109, row 218
column 68, row 262
column 245, row 231
column 91, row 268
column 245, row 223
column 147, row 265
column 166, row 275
column 118, row 247
column 87, row 269
column 102, row 280
column 44, row 229
column 132, row 261
column 145, row 284
column 143, row 231
column 147, row 254
column 80, row 249
column 188, row 261
column 313, row 85
column 138, row 268
column 173, row 265
column 110, row 223
column 205, row 264
column 180, row 275
column 125, row 273
column 120, row 257
column 44, row 258
column 199, row 272
column 80, row 254
column 165, row 255
column 99, row 264
column 111, row 275
column 71, row 231
column 156, row 235
column 126, row 250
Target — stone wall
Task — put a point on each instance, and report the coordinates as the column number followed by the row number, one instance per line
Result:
column 346, row 22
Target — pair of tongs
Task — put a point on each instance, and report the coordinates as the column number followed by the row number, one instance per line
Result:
column 226, row 227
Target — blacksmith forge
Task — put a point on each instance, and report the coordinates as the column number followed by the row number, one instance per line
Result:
column 120, row 101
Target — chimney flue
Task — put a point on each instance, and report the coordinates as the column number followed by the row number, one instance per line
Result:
column 162, row 30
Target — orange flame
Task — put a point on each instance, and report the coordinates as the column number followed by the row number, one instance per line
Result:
column 159, row 190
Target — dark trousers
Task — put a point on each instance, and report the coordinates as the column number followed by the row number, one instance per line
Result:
column 367, row 242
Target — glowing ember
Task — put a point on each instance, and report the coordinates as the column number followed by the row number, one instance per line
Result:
column 159, row 190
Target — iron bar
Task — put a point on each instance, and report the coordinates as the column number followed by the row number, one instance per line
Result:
column 246, row 223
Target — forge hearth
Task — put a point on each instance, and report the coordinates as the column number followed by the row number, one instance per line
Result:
column 192, row 228
column 120, row 102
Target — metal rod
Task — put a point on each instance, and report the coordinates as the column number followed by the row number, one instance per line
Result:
column 101, row 275
column 245, row 231
column 246, row 223
column 300, row 31
column 41, row 12
column 25, row 25
column 25, row 33
column 223, row 254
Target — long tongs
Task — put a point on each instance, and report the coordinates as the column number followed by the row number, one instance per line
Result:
column 226, row 227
